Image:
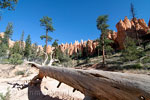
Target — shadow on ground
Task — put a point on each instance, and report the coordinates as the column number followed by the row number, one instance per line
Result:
column 35, row 93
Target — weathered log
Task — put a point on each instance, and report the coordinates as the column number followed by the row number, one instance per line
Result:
column 102, row 85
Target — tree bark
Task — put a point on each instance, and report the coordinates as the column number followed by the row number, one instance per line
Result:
column 102, row 85
column 103, row 52
column 46, row 40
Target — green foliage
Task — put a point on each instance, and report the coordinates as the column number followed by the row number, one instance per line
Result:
column 34, row 52
column 8, row 33
column 107, row 44
column 22, row 44
column 87, row 60
column 104, row 42
column 16, row 59
column 6, row 96
column 8, row 4
column 47, row 23
column 49, row 39
column 146, row 60
column 55, row 43
column 101, row 23
column 20, row 72
column 134, row 66
column 4, row 61
column 63, row 57
column 108, row 48
column 27, row 51
column 3, row 49
column 56, row 50
column 15, row 48
column 130, row 51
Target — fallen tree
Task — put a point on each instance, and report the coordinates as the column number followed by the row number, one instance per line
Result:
column 97, row 84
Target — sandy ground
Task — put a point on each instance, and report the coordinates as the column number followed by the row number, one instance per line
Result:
column 46, row 91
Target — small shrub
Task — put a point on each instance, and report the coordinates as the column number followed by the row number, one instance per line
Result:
column 78, row 61
column 134, row 66
column 131, row 52
column 6, row 96
column 20, row 73
column 4, row 61
column 87, row 60
column 16, row 59
column 146, row 60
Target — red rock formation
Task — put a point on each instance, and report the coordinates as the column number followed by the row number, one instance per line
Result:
column 127, row 23
column 77, row 47
column 125, row 28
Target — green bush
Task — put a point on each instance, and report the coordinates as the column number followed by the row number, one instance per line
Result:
column 134, row 66
column 16, row 59
column 63, row 57
column 19, row 72
column 6, row 96
column 146, row 60
column 4, row 61
column 131, row 52
column 87, row 60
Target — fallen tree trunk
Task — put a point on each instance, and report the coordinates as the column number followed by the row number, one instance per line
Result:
column 101, row 85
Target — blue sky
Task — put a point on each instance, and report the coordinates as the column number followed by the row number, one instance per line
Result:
column 72, row 19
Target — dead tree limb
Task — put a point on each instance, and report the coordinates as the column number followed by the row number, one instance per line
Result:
column 102, row 85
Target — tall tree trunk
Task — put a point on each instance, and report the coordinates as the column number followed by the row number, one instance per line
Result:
column 103, row 52
column 46, row 40
column 98, row 52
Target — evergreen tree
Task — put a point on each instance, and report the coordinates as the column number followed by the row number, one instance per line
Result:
column 3, row 49
column 104, row 41
column 4, row 42
column 16, row 59
column 46, row 22
column 130, row 51
column 8, row 34
column 55, row 43
column 15, row 48
column 22, row 44
column 56, row 51
column 34, row 52
column 8, row 4
column 27, row 51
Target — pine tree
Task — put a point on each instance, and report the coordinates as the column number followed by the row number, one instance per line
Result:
column 46, row 22
column 8, row 34
column 15, row 48
column 4, row 42
column 55, row 43
column 34, row 52
column 27, row 52
column 56, row 51
column 130, row 51
column 104, row 41
column 22, row 44
column 8, row 4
